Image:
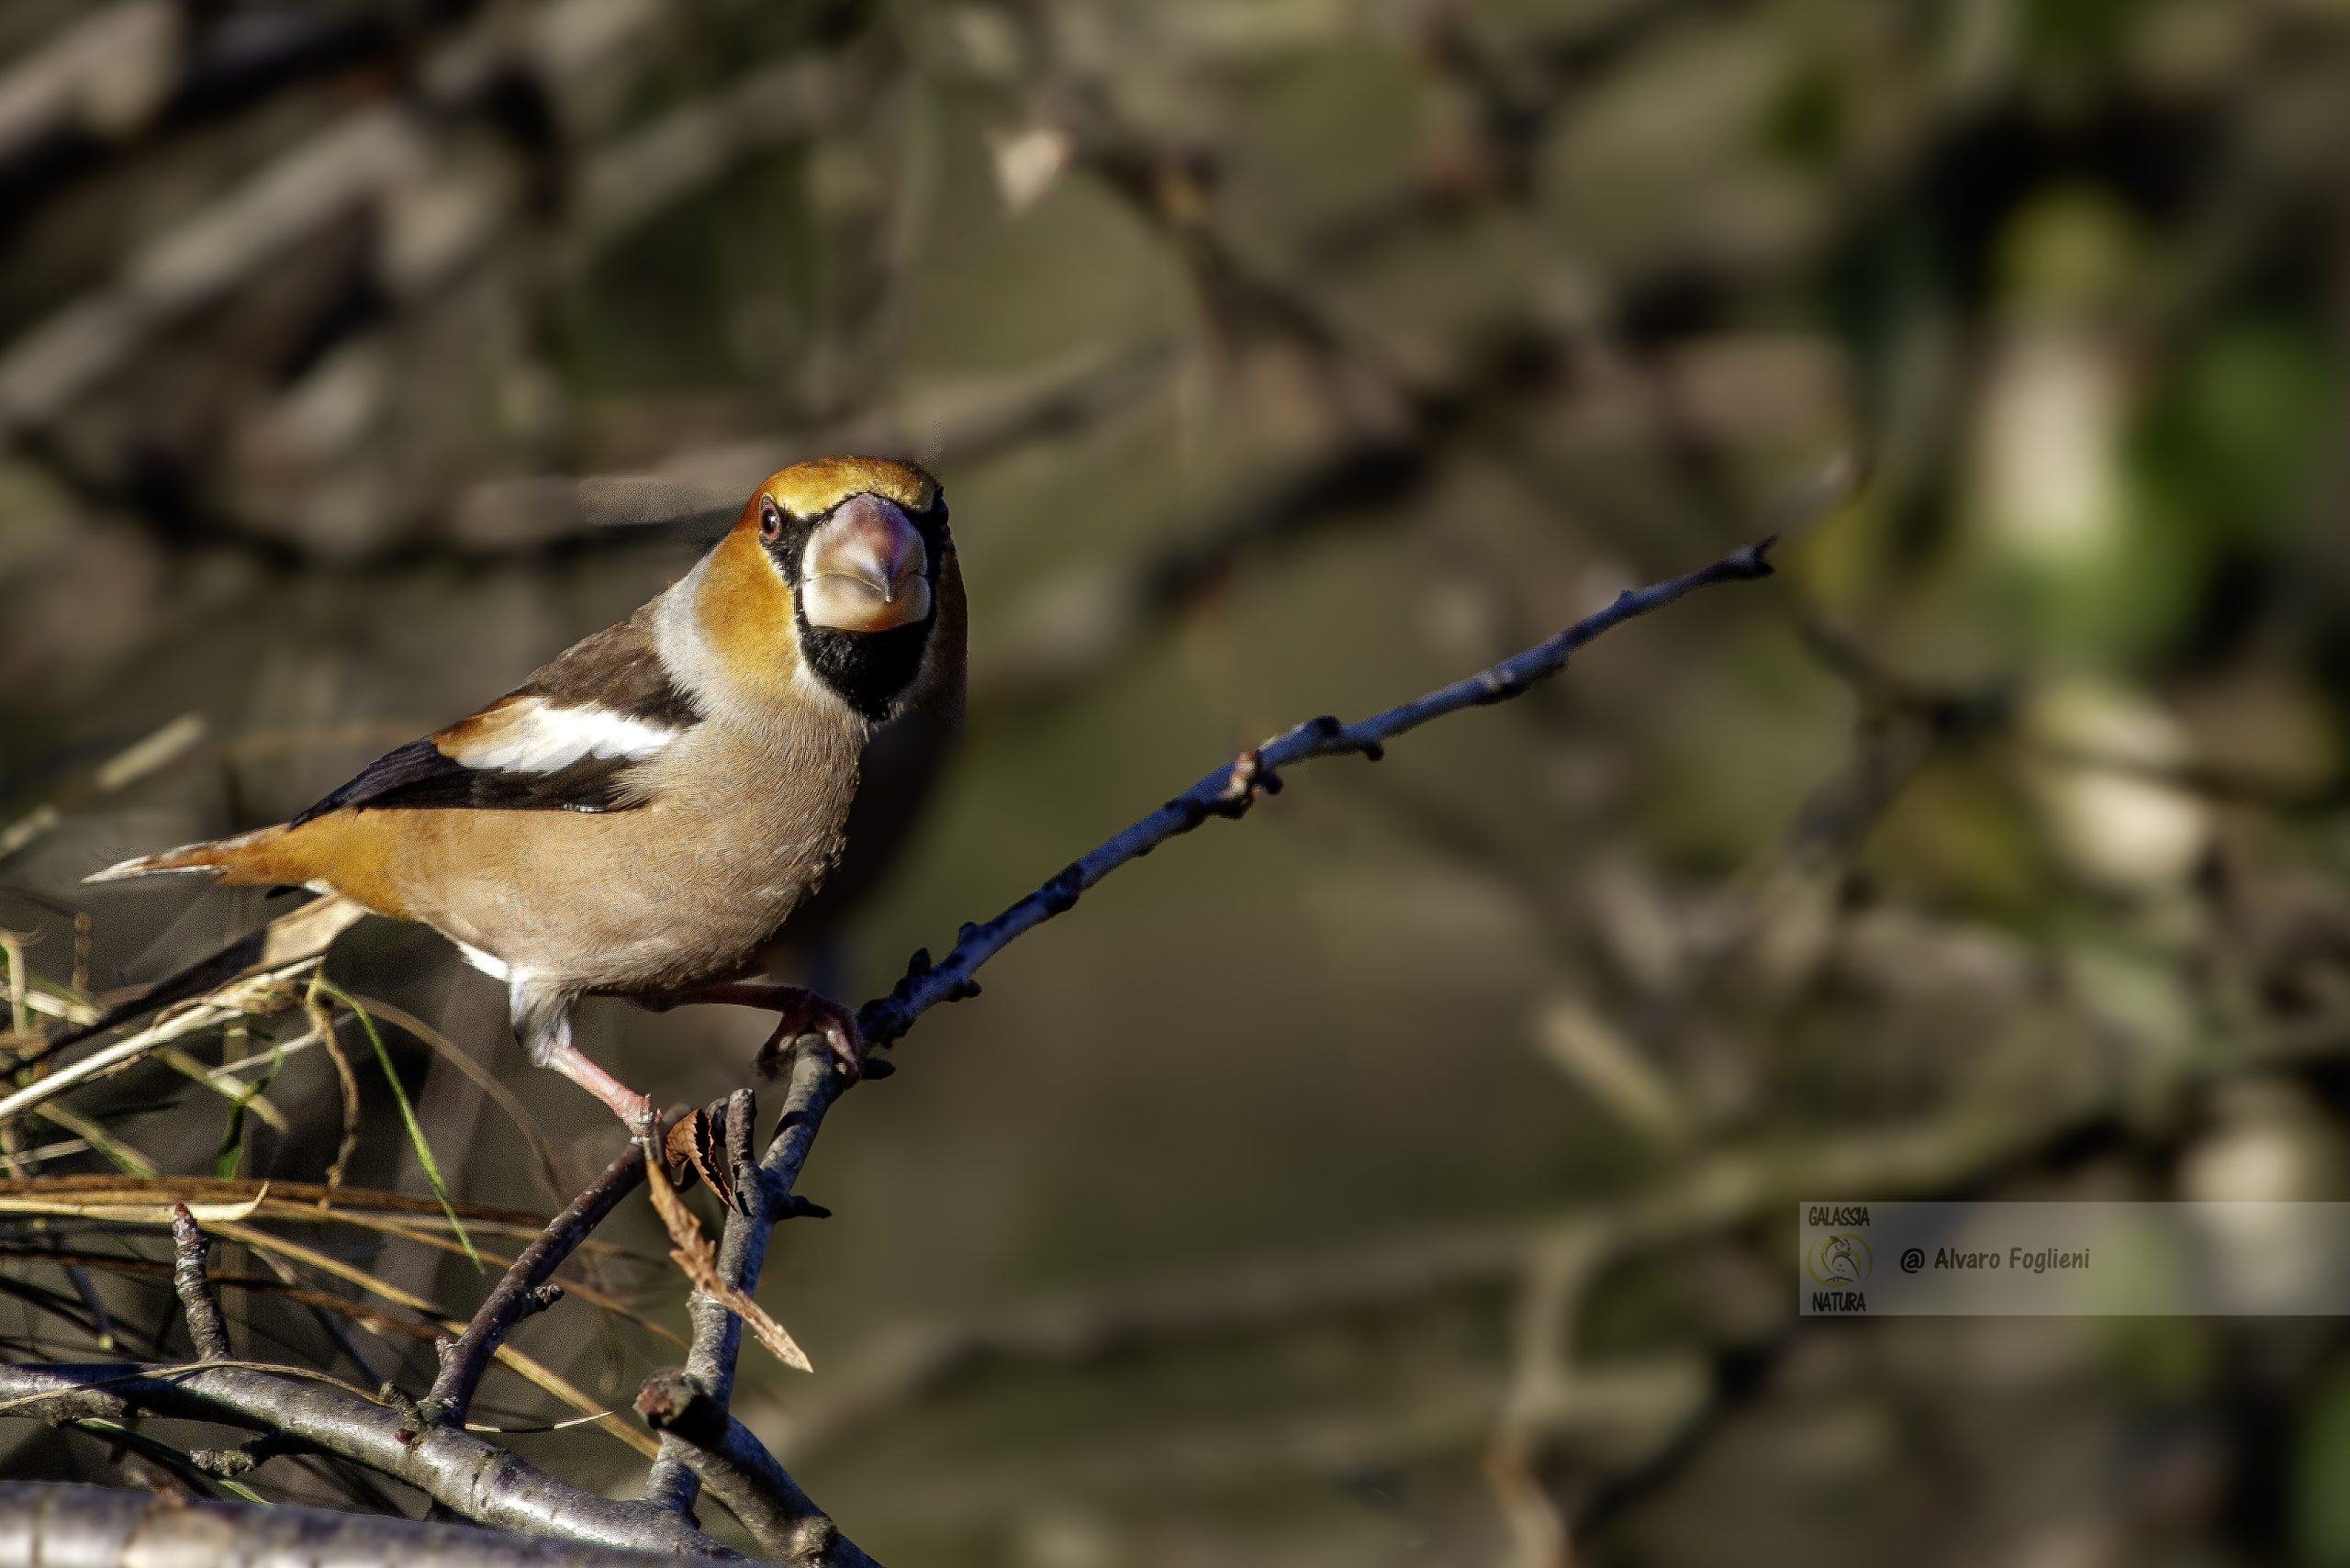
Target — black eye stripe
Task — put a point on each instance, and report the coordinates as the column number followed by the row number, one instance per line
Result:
column 787, row 542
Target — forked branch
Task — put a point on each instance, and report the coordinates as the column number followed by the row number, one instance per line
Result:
column 1227, row 790
column 700, row 1443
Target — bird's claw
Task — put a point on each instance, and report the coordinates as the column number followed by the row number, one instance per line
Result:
column 813, row 1014
column 643, row 1122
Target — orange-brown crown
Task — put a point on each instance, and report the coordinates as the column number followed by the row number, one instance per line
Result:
column 817, row 485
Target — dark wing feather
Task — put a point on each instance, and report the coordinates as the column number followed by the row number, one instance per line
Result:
column 419, row 776
column 415, row 775
column 615, row 672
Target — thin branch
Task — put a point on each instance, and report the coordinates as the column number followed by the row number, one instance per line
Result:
column 740, row 1473
column 203, row 1309
column 812, row 1085
column 323, row 1024
column 276, row 951
column 522, row 1292
column 464, row 1473
column 696, row 1260
column 47, row 1522
column 456, row 1469
column 1230, row 789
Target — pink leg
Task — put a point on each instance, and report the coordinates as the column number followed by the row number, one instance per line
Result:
column 634, row 1110
column 798, row 1010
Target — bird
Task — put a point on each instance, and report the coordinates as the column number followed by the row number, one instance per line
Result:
column 654, row 808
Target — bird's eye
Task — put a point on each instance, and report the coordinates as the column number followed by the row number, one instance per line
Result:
column 770, row 520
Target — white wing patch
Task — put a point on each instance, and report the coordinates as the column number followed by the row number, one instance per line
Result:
column 533, row 735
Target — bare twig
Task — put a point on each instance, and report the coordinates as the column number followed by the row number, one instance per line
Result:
column 519, row 1498
column 464, row 1473
column 229, row 1003
column 276, row 951
column 519, row 1292
column 740, row 1473
column 53, row 1523
column 1227, row 790
column 203, row 1309
column 813, row 1084
column 1230, row 789
column 697, row 1260
column 322, row 1023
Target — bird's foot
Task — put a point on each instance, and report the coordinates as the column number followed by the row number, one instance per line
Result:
column 805, row 1013
column 798, row 1010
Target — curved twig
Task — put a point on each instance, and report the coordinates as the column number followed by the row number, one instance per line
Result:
column 483, row 1482
column 522, row 1292
column 740, row 1473
column 1230, row 789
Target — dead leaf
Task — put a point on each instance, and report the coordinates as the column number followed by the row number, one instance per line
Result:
column 693, row 1255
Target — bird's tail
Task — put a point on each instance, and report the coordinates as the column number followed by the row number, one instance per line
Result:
column 245, row 859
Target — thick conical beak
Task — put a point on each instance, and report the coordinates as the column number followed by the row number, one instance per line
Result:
column 865, row 570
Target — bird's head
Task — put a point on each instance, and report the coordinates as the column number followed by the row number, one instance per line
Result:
column 854, row 547
column 853, row 538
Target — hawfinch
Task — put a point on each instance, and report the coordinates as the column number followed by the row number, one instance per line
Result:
column 642, row 815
